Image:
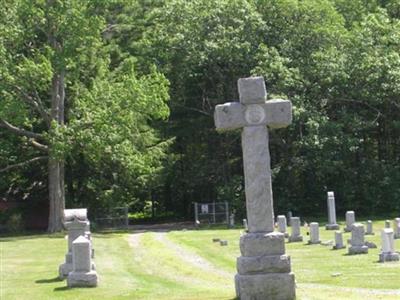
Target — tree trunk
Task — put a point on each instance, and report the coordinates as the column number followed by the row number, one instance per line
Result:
column 56, row 163
column 56, row 193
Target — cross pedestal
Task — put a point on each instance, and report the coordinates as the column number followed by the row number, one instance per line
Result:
column 264, row 270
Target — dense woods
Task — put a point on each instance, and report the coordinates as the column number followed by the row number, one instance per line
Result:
column 110, row 103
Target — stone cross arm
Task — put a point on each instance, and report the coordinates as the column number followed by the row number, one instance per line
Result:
column 275, row 113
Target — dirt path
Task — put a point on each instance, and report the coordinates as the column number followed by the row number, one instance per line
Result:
column 190, row 257
column 134, row 239
column 185, row 255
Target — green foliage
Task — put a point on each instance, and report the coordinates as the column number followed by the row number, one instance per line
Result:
column 15, row 223
column 125, row 142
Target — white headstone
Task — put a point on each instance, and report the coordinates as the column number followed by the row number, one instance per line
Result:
column 396, row 228
column 388, row 252
column 83, row 273
column 289, row 217
column 75, row 228
column 332, row 224
column 350, row 220
column 246, row 227
column 339, row 240
column 254, row 279
column 387, row 224
column 314, row 233
column 357, row 240
column 295, row 235
column 369, row 228
column 282, row 224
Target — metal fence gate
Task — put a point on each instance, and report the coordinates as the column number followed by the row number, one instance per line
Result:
column 116, row 217
column 211, row 213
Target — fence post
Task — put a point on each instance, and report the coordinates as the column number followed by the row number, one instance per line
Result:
column 126, row 210
column 196, row 214
column 227, row 213
column 214, row 221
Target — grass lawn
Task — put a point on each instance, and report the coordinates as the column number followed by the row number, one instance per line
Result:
column 187, row 265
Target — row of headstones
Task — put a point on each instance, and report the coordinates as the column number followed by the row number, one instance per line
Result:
column 78, row 268
column 357, row 241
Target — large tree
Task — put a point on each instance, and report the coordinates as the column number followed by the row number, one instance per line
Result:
column 59, row 91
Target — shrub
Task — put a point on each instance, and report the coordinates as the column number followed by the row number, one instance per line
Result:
column 15, row 223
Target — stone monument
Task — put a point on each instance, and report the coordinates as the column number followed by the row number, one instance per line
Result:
column 282, row 225
column 82, row 274
column 264, row 271
column 387, row 224
column 338, row 241
column 388, row 253
column 314, row 233
column 357, row 240
column 396, row 228
column 350, row 220
column 289, row 217
column 76, row 223
column 295, row 235
column 369, row 228
column 332, row 225
column 232, row 220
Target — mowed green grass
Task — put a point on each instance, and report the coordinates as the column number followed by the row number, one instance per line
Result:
column 152, row 266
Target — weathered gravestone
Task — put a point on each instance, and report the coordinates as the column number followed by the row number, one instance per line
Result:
column 232, row 220
column 264, row 270
column 289, row 217
column 82, row 274
column 314, row 233
column 295, row 235
column 282, row 225
column 246, row 227
column 396, row 228
column 357, row 240
column 388, row 253
column 332, row 225
column 369, row 228
column 338, row 241
column 387, row 224
column 350, row 220
column 76, row 223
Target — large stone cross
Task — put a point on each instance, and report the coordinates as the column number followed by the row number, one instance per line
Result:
column 253, row 113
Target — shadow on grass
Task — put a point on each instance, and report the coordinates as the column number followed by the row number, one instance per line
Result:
column 50, row 280
column 29, row 235
column 66, row 288
column 61, row 288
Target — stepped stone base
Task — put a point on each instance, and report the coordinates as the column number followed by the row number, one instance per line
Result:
column 264, row 270
column 263, row 264
column 388, row 256
column 332, row 226
column 272, row 286
column 66, row 268
column 358, row 250
column 82, row 279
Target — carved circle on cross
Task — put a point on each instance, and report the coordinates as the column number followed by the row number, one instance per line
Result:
column 254, row 114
